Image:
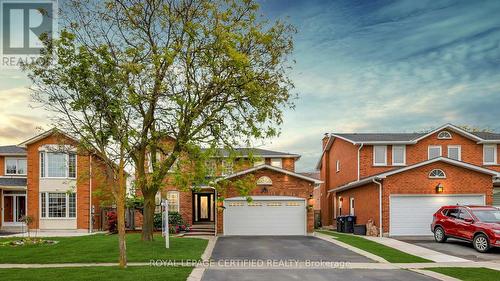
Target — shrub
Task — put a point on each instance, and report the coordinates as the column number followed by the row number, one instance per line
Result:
column 112, row 221
column 175, row 221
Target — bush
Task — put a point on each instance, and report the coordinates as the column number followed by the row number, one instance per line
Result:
column 175, row 221
column 112, row 221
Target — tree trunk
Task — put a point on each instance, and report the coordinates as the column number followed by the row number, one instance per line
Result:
column 120, row 206
column 148, row 215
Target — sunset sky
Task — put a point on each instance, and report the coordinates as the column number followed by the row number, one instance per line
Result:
column 362, row 66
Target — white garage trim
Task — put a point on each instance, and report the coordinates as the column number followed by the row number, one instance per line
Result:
column 265, row 215
column 416, row 210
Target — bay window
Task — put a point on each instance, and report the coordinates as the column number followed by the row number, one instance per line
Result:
column 57, row 165
column 58, row 205
column 15, row 166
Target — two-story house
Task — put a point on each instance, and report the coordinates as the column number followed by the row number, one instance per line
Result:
column 280, row 196
column 48, row 180
column 399, row 180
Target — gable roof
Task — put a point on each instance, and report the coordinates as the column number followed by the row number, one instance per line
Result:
column 384, row 175
column 258, row 152
column 12, row 150
column 44, row 135
column 265, row 166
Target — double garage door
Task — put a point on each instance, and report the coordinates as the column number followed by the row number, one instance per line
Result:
column 412, row 215
column 265, row 215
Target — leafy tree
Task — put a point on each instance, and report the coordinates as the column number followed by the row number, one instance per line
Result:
column 132, row 74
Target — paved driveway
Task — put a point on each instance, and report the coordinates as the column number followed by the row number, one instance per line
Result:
column 455, row 247
column 313, row 274
column 299, row 248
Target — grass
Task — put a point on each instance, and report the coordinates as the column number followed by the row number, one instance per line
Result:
column 389, row 254
column 468, row 273
column 98, row 273
column 103, row 248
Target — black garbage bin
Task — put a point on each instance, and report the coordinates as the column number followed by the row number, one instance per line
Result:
column 350, row 221
column 360, row 229
column 341, row 223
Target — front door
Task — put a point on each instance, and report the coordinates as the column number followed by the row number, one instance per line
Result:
column 14, row 208
column 204, row 207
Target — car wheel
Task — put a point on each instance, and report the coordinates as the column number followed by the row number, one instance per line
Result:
column 439, row 235
column 481, row 243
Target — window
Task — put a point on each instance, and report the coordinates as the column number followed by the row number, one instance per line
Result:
column 490, row 154
column 338, row 166
column 434, row 151
column 15, row 166
column 276, row 162
column 444, row 135
column 437, row 174
column 380, row 155
column 259, row 162
column 351, row 206
column 58, row 205
column 398, row 155
column 173, row 201
column 464, row 214
column 58, row 165
column 211, row 168
column 452, row 213
column 455, row 152
column 227, row 167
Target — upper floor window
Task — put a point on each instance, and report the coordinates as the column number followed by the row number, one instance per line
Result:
column 258, row 162
column 434, row 151
column 444, row 135
column 380, row 155
column 437, row 174
column 277, row 162
column 15, row 166
column 57, row 165
column 490, row 154
column 227, row 167
column 211, row 168
column 338, row 166
column 398, row 155
column 455, row 152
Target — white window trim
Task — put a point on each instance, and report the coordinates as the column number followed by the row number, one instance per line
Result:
column 337, row 166
column 404, row 155
column 351, row 208
column 178, row 199
column 495, row 155
column 46, row 166
column 280, row 160
column 258, row 162
column 434, row 146
column 444, row 138
column 385, row 155
column 434, row 177
column 67, row 217
column 17, row 165
column 224, row 164
column 459, row 151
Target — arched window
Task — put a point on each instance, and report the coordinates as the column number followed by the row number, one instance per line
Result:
column 437, row 174
column 264, row 181
column 444, row 135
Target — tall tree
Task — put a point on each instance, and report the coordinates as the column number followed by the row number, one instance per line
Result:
column 205, row 73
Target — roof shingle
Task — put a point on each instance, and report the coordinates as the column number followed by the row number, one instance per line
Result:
column 12, row 149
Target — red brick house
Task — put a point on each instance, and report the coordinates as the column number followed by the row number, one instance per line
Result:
column 400, row 179
column 46, row 178
column 280, row 198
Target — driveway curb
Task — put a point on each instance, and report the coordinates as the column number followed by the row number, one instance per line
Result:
column 435, row 275
column 197, row 273
column 349, row 247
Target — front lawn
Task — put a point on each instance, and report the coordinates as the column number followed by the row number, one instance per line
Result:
column 132, row 273
column 389, row 254
column 468, row 273
column 103, row 248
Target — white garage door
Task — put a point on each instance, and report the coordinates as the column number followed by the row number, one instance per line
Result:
column 265, row 215
column 412, row 215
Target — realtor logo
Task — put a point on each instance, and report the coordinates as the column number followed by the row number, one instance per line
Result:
column 22, row 25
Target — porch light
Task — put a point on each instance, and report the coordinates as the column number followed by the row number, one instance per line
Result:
column 439, row 188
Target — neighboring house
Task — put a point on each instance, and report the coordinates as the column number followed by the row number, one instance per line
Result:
column 400, row 179
column 47, row 179
column 280, row 198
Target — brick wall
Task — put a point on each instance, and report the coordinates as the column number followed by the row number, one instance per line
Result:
column 366, row 203
column 2, row 166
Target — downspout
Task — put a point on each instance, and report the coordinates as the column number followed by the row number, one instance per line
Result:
column 359, row 152
column 216, row 212
column 379, row 204
column 90, row 196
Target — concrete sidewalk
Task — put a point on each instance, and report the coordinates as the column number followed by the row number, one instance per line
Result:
column 53, row 233
column 416, row 250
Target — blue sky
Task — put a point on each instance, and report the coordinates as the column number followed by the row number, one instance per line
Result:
column 362, row 66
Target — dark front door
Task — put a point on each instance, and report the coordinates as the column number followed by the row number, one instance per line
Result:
column 204, row 207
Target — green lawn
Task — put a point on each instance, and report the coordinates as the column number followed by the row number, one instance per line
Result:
column 103, row 248
column 98, row 273
column 389, row 254
column 468, row 273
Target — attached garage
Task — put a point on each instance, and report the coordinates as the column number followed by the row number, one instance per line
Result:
column 265, row 215
column 412, row 214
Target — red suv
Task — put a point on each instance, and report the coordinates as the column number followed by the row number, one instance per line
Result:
column 477, row 224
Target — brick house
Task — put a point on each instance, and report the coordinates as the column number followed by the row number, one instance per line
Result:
column 46, row 178
column 280, row 197
column 400, row 179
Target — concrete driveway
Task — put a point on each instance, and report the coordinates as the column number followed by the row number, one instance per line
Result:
column 299, row 248
column 455, row 247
